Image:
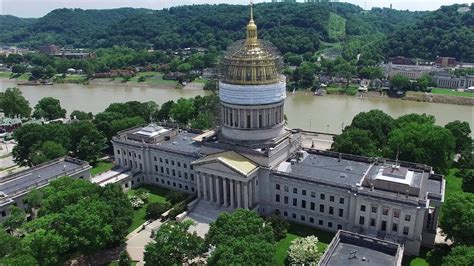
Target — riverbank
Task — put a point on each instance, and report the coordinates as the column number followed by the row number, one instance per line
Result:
column 438, row 98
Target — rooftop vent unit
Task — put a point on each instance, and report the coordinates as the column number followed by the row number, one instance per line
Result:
column 342, row 175
column 293, row 161
column 174, row 143
column 167, row 137
column 348, row 168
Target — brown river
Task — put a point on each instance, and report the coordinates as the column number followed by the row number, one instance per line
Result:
column 324, row 114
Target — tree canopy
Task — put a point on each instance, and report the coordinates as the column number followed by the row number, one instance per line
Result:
column 49, row 108
column 13, row 103
column 457, row 218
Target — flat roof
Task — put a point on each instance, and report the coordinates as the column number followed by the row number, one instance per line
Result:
column 183, row 142
column 34, row 177
column 349, row 248
column 330, row 169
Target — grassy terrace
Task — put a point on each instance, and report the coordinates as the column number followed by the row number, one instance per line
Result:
column 101, row 167
column 336, row 26
column 157, row 194
column 297, row 231
column 351, row 90
column 451, row 92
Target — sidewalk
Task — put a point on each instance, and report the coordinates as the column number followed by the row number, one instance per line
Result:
column 137, row 240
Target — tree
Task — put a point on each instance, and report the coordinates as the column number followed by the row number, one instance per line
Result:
column 80, row 115
column 371, row 72
column 49, row 108
column 18, row 69
column 155, row 209
column 279, row 226
column 14, row 104
column 304, row 251
column 15, row 219
column 422, row 143
column 461, row 132
column 49, row 150
column 424, row 82
column 9, row 244
column 457, row 218
column 414, row 118
column 400, row 82
column 204, row 120
column 304, row 74
column 46, row 246
column 459, row 256
column 467, row 180
column 124, row 259
column 34, row 198
column 240, row 237
column 183, row 111
column 37, row 73
column 164, row 113
column 174, row 245
column 49, row 72
column 87, row 142
column 377, row 123
column 174, row 197
column 355, row 141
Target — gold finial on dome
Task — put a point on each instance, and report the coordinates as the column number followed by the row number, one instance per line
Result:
column 251, row 40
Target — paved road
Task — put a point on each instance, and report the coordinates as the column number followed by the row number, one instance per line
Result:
column 137, row 240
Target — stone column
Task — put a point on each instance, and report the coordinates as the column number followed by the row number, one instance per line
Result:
column 239, row 195
column 218, row 190
column 246, row 195
column 224, row 185
column 232, row 195
column 198, row 185
column 211, row 189
column 204, row 186
column 251, row 193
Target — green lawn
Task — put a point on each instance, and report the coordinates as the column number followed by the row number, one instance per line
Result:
column 297, row 231
column 101, row 167
column 451, row 92
column 199, row 80
column 153, row 78
column 453, row 183
column 4, row 74
column 416, row 261
column 157, row 194
column 351, row 90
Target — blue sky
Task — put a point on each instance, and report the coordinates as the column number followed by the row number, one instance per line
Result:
column 38, row 8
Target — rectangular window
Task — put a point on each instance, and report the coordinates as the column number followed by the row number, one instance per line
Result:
column 285, row 200
column 312, row 206
column 339, row 227
column 167, row 171
column 303, row 192
column 331, row 210
column 186, row 187
column 172, row 162
column 341, row 212
column 174, row 184
column 166, row 161
column 139, row 157
column 295, row 202
column 179, row 164
column 161, row 160
column 192, row 177
column 407, row 217
column 285, row 213
column 180, row 186
column 185, row 165
column 174, row 172
column 396, row 214
column 118, row 151
column 156, row 168
column 168, row 182
column 286, row 188
column 321, row 208
column 303, row 204
column 374, row 209
column 331, row 198
column 385, row 211
column 277, row 198
column 311, row 220
column 303, row 218
column 154, row 158
column 248, row 121
column 406, row 229
column 395, row 227
column 341, row 200
column 322, row 196
column 313, row 194
column 277, row 186
column 293, row 215
column 179, row 173
column 361, row 220
column 260, row 121
column 185, row 175
column 162, row 169
column 295, row 190
column 372, row 222
column 330, row 224
column 320, row 222
column 362, row 208
column 141, row 167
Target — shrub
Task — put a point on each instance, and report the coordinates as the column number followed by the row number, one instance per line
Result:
column 304, row 251
column 279, row 226
column 174, row 197
column 155, row 209
column 177, row 209
column 124, row 259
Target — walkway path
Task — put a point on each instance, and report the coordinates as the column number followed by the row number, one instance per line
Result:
column 202, row 215
column 138, row 239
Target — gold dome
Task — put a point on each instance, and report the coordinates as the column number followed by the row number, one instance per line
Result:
column 251, row 61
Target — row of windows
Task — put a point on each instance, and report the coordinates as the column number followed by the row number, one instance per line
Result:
column 322, row 196
column 383, row 226
column 168, row 182
column 312, row 205
column 396, row 213
column 178, row 163
column 130, row 154
column 131, row 164
column 173, row 172
column 311, row 219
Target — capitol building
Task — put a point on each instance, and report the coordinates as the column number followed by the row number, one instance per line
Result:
column 253, row 161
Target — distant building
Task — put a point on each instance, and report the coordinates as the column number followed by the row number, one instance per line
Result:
column 174, row 75
column 210, row 73
column 348, row 248
column 8, row 50
column 14, row 187
column 412, row 72
column 401, row 60
column 446, row 61
column 9, row 124
column 445, row 80
column 49, row 49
